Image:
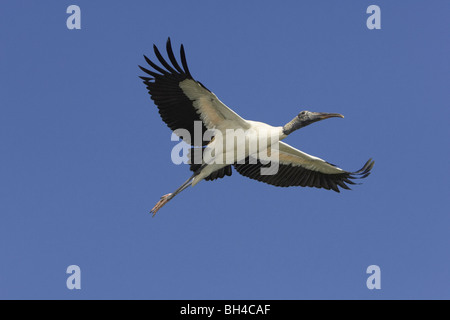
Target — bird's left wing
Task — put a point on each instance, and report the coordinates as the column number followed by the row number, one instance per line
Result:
column 297, row 168
column 181, row 100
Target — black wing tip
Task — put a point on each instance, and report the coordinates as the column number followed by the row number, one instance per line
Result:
column 146, row 70
column 362, row 173
column 349, row 176
column 146, row 79
column 184, row 62
column 167, row 68
column 147, row 59
column 172, row 58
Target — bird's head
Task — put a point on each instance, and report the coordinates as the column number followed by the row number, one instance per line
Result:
column 305, row 118
column 308, row 117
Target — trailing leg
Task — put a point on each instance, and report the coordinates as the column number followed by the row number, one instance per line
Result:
column 166, row 198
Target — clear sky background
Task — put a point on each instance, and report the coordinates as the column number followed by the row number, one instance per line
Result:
column 85, row 155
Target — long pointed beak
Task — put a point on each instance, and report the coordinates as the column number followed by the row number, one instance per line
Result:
column 324, row 115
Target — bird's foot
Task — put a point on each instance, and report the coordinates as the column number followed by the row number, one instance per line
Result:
column 164, row 199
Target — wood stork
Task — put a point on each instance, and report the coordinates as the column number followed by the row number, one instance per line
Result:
column 181, row 101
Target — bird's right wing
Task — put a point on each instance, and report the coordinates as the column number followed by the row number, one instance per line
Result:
column 181, row 100
column 297, row 168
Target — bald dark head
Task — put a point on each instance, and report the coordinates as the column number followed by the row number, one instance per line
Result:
column 305, row 118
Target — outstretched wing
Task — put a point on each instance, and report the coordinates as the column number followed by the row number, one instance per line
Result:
column 296, row 168
column 181, row 100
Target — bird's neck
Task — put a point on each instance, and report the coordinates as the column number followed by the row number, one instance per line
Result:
column 291, row 126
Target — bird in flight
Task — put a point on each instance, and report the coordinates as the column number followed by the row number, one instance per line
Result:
column 183, row 101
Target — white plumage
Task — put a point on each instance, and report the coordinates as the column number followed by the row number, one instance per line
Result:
column 181, row 101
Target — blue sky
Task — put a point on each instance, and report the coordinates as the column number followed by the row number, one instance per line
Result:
column 85, row 154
